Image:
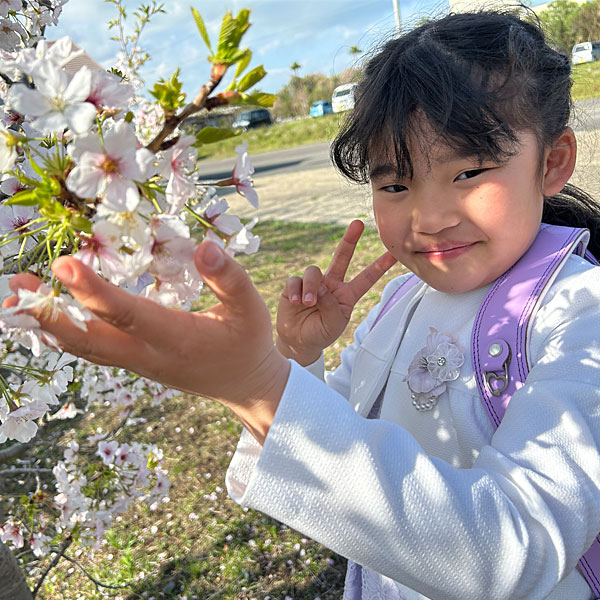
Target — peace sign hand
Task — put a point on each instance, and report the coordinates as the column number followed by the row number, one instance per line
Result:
column 314, row 309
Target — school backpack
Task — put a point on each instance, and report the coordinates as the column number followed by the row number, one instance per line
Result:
column 499, row 344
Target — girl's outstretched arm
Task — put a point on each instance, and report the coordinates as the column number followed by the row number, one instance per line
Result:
column 225, row 353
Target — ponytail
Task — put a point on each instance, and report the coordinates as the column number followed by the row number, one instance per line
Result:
column 573, row 207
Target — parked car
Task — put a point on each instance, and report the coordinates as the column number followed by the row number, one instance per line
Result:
column 585, row 52
column 343, row 97
column 320, row 108
column 258, row 117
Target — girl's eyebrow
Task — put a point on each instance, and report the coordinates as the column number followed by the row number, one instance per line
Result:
column 383, row 170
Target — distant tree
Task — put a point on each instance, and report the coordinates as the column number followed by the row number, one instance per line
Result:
column 586, row 23
column 354, row 50
column 295, row 67
column 300, row 92
column 558, row 23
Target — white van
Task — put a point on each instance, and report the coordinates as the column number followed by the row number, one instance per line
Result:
column 343, row 97
column 585, row 52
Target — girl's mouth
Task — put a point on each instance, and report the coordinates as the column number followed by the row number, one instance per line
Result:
column 447, row 251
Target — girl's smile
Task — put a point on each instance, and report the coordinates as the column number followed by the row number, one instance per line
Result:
column 447, row 251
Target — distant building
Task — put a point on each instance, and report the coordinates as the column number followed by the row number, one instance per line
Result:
column 80, row 58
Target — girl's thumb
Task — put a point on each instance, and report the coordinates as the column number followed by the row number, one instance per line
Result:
column 225, row 277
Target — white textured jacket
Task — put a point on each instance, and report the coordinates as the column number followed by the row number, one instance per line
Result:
column 439, row 501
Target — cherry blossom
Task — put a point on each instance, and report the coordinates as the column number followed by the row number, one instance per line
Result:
column 110, row 170
column 57, row 102
column 11, row 34
column 242, row 174
column 176, row 165
column 107, row 451
column 109, row 92
column 100, row 251
column 11, row 532
column 8, row 148
column 6, row 5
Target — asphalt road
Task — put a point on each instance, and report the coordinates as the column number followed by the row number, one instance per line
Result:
column 586, row 117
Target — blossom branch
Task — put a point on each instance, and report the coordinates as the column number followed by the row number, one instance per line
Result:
column 59, row 554
column 199, row 102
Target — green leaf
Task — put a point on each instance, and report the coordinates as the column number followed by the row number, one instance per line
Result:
column 23, row 198
column 210, row 135
column 81, row 223
column 53, row 210
column 243, row 63
column 251, row 78
column 168, row 93
column 201, row 28
column 232, row 30
column 258, row 99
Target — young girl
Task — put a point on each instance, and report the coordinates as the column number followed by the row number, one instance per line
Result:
column 461, row 127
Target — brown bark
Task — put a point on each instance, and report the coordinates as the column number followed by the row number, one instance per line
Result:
column 12, row 581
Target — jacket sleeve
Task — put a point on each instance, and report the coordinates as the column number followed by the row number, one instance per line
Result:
column 511, row 527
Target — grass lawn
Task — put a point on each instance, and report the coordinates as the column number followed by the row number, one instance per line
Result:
column 586, row 81
column 201, row 545
column 278, row 136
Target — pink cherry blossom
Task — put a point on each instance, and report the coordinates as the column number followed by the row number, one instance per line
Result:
column 107, row 451
column 109, row 91
column 100, row 251
column 110, row 170
column 242, row 173
column 58, row 101
column 11, row 532
column 6, row 5
column 177, row 165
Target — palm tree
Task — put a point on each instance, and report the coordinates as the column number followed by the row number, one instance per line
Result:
column 354, row 50
column 295, row 66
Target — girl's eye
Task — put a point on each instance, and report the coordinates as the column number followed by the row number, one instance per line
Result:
column 395, row 188
column 469, row 174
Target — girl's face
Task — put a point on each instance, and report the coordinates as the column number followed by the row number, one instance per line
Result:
column 459, row 224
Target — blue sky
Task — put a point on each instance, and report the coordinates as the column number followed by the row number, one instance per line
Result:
column 315, row 33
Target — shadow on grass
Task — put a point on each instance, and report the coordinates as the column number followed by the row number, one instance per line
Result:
column 261, row 575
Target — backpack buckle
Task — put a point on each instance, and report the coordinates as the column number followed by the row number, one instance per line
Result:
column 497, row 383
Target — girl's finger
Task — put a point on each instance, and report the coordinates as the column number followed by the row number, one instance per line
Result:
column 311, row 280
column 365, row 280
column 345, row 251
column 130, row 314
column 293, row 290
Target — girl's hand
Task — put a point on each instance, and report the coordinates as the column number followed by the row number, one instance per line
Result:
column 314, row 309
column 225, row 353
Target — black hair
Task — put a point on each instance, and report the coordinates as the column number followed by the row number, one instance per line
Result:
column 476, row 80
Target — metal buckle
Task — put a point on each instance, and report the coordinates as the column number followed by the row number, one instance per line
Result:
column 503, row 377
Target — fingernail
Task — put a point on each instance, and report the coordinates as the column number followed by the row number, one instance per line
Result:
column 295, row 299
column 322, row 290
column 212, row 255
column 63, row 271
column 309, row 297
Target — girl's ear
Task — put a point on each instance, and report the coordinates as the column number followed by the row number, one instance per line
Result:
column 559, row 162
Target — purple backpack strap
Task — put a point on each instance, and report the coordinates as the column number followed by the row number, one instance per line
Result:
column 501, row 332
column 407, row 285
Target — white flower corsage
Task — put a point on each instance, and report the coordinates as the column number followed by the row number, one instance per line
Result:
column 438, row 362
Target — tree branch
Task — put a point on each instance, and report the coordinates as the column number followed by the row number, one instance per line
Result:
column 59, row 554
column 199, row 102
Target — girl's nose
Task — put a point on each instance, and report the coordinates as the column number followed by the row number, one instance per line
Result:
column 433, row 212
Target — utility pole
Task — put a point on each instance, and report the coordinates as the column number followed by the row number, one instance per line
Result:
column 396, row 4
